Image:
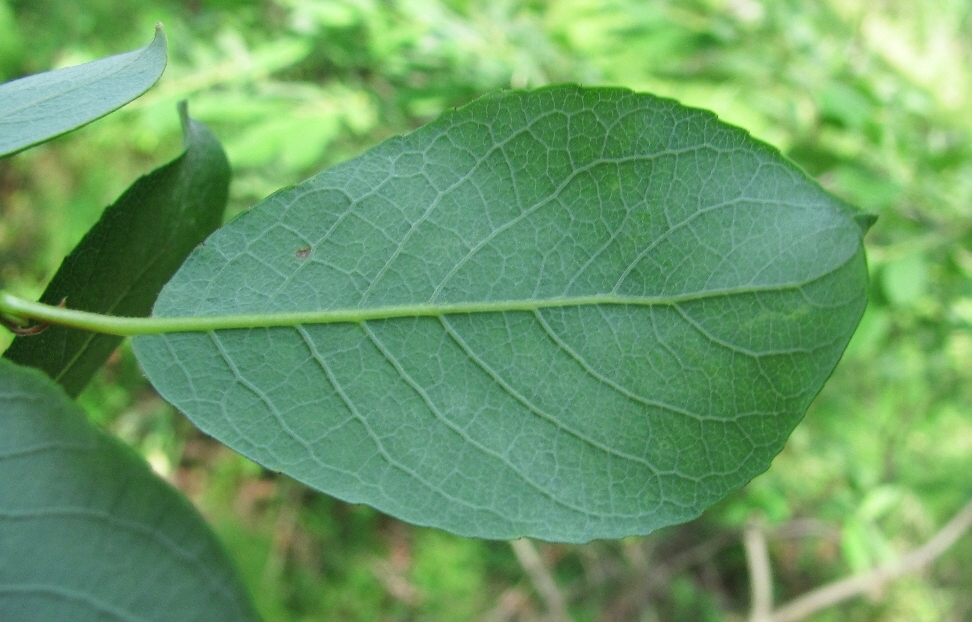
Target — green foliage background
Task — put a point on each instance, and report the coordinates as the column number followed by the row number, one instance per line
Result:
column 872, row 98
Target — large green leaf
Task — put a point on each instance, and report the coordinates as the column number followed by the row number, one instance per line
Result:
column 122, row 263
column 88, row 532
column 39, row 107
column 621, row 308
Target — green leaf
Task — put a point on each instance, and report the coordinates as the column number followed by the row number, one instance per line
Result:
column 649, row 299
column 88, row 532
column 122, row 263
column 40, row 107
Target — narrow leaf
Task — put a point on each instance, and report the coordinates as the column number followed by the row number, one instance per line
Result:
column 88, row 532
column 40, row 107
column 620, row 306
column 122, row 263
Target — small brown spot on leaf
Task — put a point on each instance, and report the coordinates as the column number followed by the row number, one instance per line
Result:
column 303, row 253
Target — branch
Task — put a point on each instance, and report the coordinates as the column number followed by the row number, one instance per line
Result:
column 760, row 577
column 863, row 583
column 542, row 581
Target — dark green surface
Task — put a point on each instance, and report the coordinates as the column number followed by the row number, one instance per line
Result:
column 88, row 532
column 122, row 263
column 45, row 105
column 567, row 424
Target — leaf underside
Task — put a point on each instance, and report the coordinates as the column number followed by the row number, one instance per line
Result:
column 40, row 107
column 131, row 252
column 88, row 532
column 742, row 279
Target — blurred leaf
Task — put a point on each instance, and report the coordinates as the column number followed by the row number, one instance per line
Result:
column 854, row 545
column 866, row 188
column 449, row 576
column 648, row 300
column 962, row 310
column 11, row 43
column 88, row 532
column 845, row 105
column 879, row 501
column 905, row 280
column 39, row 107
column 871, row 333
column 298, row 141
column 122, row 263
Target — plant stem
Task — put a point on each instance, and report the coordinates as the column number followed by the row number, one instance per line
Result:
column 15, row 309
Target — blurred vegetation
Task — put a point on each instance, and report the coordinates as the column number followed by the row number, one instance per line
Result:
column 870, row 96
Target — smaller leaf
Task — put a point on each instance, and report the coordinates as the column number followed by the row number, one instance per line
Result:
column 122, row 263
column 38, row 108
column 88, row 532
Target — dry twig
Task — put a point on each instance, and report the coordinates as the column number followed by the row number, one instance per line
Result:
column 542, row 580
column 866, row 582
column 843, row 589
column 760, row 577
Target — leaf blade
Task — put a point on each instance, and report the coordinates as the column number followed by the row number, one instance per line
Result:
column 562, row 423
column 88, row 531
column 132, row 251
column 38, row 108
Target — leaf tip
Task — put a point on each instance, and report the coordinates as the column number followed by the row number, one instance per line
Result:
column 159, row 39
column 865, row 221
